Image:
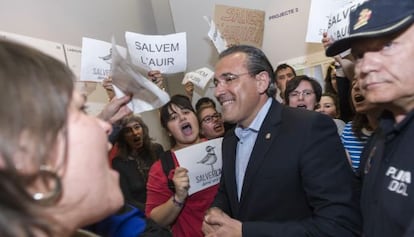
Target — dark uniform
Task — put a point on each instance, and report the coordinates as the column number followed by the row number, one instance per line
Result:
column 387, row 199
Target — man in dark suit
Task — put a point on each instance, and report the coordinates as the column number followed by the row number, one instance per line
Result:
column 285, row 172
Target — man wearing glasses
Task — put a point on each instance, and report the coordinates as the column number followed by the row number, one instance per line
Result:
column 285, row 171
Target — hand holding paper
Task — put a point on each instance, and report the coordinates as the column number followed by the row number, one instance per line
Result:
column 127, row 79
column 203, row 162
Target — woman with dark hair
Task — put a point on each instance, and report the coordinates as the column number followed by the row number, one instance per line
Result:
column 337, row 82
column 183, row 213
column 136, row 154
column 303, row 92
column 330, row 79
column 357, row 132
column 54, row 173
column 329, row 105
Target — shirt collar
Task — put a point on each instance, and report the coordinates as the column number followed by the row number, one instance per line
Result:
column 258, row 120
column 387, row 122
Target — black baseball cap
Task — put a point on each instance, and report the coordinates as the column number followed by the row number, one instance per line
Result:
column 375, row 18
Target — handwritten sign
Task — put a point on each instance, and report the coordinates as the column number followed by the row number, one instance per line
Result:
column 240, row 25
column 338, row 24
column 166, row 53
column 199, row 77
column 96, row 59
column 203, row 162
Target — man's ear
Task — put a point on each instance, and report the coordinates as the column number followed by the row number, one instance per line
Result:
column 263, row 82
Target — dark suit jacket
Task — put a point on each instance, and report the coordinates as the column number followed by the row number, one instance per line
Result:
column 297, row 182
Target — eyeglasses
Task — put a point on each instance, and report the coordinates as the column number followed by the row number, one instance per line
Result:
column 210, row 118
column 227, row 78
column 297, row 94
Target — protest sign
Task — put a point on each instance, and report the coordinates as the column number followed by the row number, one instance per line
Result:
column 199, row 77
column 338, row 23
column 319, row 14
column 240, row 25
column 215, row 36
column 203, row 162
column 96, row 59
column 127, row 79
column 166, row 53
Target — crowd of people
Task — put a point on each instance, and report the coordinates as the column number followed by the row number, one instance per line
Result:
column 298, row 158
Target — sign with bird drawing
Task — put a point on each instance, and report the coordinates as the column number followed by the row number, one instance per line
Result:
column 96, row 59
column 203, row 162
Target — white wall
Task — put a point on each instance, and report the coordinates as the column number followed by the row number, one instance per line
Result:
column 188, row 17
column 68, row 21
column 284, row 37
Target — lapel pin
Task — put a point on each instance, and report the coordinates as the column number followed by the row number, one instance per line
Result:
column 268, row 136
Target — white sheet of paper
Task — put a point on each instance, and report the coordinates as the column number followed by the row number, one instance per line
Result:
column 199, row 77
column 203, row 162
column 319, row 13
column 166, row 53
column 215, row 36
column 338, row 23
column 96, row 59
column 127, row 79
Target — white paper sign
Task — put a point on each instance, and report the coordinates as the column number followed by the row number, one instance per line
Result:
column 96, row 59
column 203, row 162
column 127, row 79
column 166, row 53
column 338, row 23
column 215, row 36
column 320, row 11
column 199, row 77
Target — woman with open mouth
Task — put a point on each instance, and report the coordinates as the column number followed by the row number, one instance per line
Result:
column 303, row 92
column 356, row 132
column 171, row 206
column 136, row 153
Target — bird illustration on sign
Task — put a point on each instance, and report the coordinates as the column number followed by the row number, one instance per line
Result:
column 210, row 158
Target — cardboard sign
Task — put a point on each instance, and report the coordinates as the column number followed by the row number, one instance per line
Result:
column 240, row 25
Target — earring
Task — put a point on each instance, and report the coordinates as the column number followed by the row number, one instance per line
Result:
column 48, row 198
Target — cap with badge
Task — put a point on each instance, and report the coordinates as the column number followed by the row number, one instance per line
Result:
column 375, row 18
